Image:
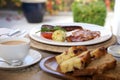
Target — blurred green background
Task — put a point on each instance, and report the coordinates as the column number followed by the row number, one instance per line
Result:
column 87, row 11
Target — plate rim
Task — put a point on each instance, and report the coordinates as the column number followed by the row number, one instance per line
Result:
column 42, row 66
column 72, row 43
column 26, row 65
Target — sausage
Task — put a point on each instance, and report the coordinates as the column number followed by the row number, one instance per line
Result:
column 67, row 28
column 70, row 28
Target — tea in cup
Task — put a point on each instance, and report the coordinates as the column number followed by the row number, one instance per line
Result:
column 14, row 50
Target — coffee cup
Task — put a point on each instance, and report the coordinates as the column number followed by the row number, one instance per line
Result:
column 14, row 50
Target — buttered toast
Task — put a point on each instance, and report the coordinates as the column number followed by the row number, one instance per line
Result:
column 71, row 52
column 77, row 62
column 87, row 62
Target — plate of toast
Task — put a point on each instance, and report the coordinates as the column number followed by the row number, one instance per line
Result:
column 75, row 34
column 78, row 63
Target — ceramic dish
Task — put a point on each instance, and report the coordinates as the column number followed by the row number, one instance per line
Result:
column 105, row 35
column 115, row 51
column 32, row 58
column 50, row 66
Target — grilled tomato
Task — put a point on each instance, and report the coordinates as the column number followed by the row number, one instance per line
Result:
column 47, row 35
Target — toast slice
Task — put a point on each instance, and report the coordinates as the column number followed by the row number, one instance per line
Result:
column 77, row 62
column 99, row 52
column 98, row 66
column 113, row 74
column 71, row 52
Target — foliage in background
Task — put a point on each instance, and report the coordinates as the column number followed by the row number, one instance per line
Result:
column 54, row 6
column 89, row 11
column 112, row 3
column 4, row 3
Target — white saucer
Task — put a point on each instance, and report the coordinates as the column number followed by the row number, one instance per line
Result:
column 32, row 58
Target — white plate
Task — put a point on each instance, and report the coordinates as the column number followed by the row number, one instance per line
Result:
column 105, row 35
column 32, row 58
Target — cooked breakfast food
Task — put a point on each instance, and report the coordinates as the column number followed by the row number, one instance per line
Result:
column 47, row 35
column 99, row 52
column 71, row 52
column 87, row 63
column 66, row 28
column 113, row 74
column 98, row 66
column 59, row 35
column 77, row 33
column 82, row 35
column 77, row 62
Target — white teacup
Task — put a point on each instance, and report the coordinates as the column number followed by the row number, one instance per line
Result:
column 14, row 50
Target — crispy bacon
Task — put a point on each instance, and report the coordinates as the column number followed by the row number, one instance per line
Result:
column 82, row 35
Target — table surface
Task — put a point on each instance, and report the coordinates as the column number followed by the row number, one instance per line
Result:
column 10, row 19
column 29, row 73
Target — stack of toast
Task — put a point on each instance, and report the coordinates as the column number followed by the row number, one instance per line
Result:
column 88, row 65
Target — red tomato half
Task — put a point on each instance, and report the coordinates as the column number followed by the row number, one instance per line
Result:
column 47, row 35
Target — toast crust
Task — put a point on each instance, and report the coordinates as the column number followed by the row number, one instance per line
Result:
column 98, row 66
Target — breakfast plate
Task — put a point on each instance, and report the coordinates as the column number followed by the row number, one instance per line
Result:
column 32, row 58
column 49, row 65
column 105, row 35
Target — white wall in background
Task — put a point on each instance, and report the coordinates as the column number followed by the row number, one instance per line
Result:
column 116, row 18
